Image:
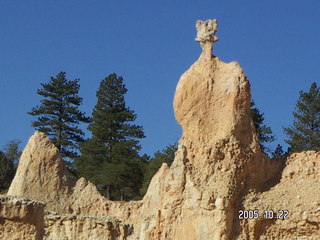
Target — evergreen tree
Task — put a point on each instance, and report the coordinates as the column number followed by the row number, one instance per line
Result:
column 264, row 133
column 58, row 115
column 278, row 152
column 12, row 151
column 7, row 172
column 165, row 156
column 9, row 159
column 304, row 134
column 110, row 157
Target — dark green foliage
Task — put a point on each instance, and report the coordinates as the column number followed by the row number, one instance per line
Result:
column 110, row 158
column 12, row 151
column 165, row 156
column 304, row 134
column 7, row 172
column 9, row 159
column 278, row 152
column 58, row 115
column 264, row 133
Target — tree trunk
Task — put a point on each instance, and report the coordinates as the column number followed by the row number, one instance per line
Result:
column 108, row 192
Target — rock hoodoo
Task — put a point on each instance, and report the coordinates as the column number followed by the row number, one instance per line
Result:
column 218, row 171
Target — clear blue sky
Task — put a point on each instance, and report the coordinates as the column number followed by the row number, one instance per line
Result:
column 151, row 43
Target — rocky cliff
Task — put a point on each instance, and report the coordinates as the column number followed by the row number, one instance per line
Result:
column 219, row 174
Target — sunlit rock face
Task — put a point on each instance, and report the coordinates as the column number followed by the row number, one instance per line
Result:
column 41, row 174
column 21, row 219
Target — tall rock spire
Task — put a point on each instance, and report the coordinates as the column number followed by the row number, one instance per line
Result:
column 41, row 174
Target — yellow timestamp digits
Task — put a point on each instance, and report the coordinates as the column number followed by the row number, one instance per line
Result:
column 267, row 214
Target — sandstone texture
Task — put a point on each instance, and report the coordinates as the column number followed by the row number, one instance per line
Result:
column 84, row 227
column 206, row 31
column 41, row 174
column 298, row 193
column 21, row 219
column 218, row 171
column 27, row 219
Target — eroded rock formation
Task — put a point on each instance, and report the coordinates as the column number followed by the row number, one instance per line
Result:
column 81, row 227
column 296, row 197
column 218, row 170
column 206, row 31
column 21, row 219
column 27, row 219
column 41, row 174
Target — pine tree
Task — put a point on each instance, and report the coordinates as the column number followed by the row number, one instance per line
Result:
column 265, row 134
column 58, row 115
column 304, row 134
column 7, row 172
column 165, row 156
column 12, row 151
column 110, row 157
column 278, row 152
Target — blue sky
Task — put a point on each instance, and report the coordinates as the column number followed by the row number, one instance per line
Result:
column 151, row 43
